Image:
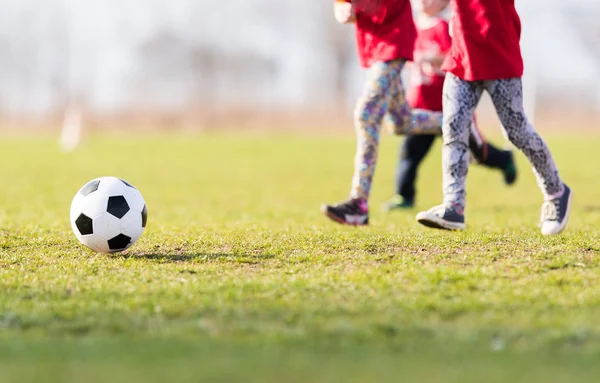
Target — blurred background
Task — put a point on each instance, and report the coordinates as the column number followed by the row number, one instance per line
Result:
column 267, row 64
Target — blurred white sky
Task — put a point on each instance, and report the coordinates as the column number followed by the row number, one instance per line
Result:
column 117, row 54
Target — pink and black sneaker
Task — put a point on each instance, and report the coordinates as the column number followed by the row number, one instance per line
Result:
column 353, row 212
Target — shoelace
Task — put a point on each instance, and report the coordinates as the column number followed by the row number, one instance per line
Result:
column 550, row 210
column 448, row 206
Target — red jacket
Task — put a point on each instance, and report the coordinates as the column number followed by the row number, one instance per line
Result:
column 385, row 30
column 485, row 40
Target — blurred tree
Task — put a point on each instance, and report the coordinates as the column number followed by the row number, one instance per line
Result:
column 340, row 39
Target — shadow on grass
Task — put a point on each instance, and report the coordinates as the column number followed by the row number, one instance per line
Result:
column 208, row 257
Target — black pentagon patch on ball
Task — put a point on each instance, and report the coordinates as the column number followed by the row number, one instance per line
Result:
column 127, row 183
column 144, row 216
column 91, row 187
column 84, row 225
column 117, row 206
column 119, row 242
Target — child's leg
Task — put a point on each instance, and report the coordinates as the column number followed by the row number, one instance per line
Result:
column 459, row 100
column 406, row 120
column 382, row 83
column 370, row 110
column 414, row 150
column 490, row 156
column 477, row 143
column 507, row 96
column 487, row 154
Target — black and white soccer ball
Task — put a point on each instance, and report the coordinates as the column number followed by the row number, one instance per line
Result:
column 108, row 215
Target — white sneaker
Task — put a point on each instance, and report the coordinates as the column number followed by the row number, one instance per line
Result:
column 445, row 216
column 555, row 213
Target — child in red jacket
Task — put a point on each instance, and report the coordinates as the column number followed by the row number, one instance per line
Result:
column 486, row 56
column 385, row 37
column 424, row 91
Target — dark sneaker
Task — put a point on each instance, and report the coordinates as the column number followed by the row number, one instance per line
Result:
column 510, row 170
column 352, row 212
column 446, row 216
column 397, row 203
column 555, row 213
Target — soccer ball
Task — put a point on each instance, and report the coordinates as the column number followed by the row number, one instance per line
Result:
column 108, row 215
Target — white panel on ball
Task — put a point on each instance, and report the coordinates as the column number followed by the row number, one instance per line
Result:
column 131, row 225
column 111, row 186
column 107, row 226
column 94, row 204
column 134, row 199
column 95, row 243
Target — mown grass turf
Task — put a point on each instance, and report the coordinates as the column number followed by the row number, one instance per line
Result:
column 239, row 277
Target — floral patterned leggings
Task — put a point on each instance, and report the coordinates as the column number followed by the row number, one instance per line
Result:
column 384, row 94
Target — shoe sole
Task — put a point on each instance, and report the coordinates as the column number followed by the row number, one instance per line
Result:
column 436, row 222
column 339, row 220
column 565, row 221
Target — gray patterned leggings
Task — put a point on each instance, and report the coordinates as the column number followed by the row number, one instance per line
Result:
column 460, row 100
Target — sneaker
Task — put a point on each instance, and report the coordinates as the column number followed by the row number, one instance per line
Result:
column 446, row 216
column 510, row 170
column 397, row 203
column 555, row 213
column 352, row 212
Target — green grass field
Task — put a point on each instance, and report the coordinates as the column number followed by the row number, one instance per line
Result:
column 239, row 278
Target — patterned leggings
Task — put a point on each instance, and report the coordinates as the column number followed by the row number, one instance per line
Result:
column 460, row 99
column 383, row 94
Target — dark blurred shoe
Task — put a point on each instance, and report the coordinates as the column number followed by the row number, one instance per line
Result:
column 397, row 202
column 510, row 170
